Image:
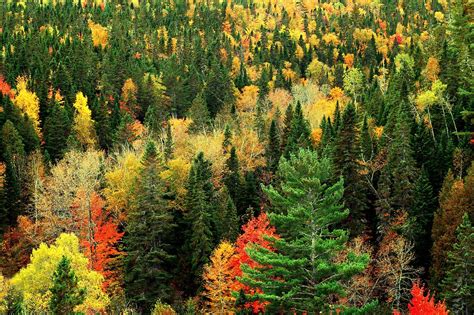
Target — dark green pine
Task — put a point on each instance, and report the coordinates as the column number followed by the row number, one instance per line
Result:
column 168, row 142
column 232, row 178
column 272, row 151
column 199, row 114
column 56, row 131
column 299, row 135
column 148, row 262
column 65, row 292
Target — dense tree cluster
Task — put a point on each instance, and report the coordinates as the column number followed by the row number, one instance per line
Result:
column 187, row 156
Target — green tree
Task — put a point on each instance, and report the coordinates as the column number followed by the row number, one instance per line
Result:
column 272, row 151
column 56, row 131
column 302, row 274
column 347, row 152
column 150, row 225
column 65, row 292
column 299, row 135
column 200, row 216
column 168, row 142
column 458, row 285
column 232, row 178
column 199, row 113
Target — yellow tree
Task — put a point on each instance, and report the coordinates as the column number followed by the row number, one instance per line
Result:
column 33, row 281
column 27, row 101
column 217, row 277
column 83, row 123
column 4, row 285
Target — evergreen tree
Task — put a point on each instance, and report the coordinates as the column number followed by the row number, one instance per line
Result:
column 421, row 217
column 168, row 142
column 233, row 179
column 286, row 127
column 346, row 156
column 302, row 274
column 227, row 142
column 65, row 292
column 150, row 224
column 272, row 151
column 228, row 221
column 299, row 136
column 56, row 131
column 199, row 114
column 200, row 216
column 14, row 157
column 458, row 285
column 366, row 142
column 103, row 127
column 259, row 122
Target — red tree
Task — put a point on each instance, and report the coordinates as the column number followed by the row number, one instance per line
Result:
column 421, row 304
column 254, row 232
column 102, row 251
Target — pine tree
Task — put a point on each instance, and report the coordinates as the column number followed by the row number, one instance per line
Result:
column 366, row 142
column 458, row 285
column 56, row 131
column 168, row 142
column 150, row 225
column 299, row 135
column 65, row 292
column 259, row 122
column 346, row 157
column 199, row 114
column 421, row 216
column 233, row 179
column 272, row 151
column 200, row 216
column 286, row 127
column 227, row 142
column 228, row 221
column 14, row 157
column 302, row 274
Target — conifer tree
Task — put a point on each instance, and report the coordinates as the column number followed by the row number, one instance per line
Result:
column 200, row 216
column 287, row 127
column 168, row 142
column 272, row 151
column 228, row 220
column 458, row 285
column 302, row 274
column 150, row 224
column 299, row 135
column 233, row 179
column 56, row 131
column 199, row 113
column 227, row 142
column 346, row 164
column 65, row 292
column 366, row 142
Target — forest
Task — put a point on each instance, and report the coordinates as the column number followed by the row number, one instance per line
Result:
column 237, row 157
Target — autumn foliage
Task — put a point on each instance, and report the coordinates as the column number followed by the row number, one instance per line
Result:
column 421, row 304
column 255, row 231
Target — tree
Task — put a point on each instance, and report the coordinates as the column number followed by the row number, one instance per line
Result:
column 103, row 252
column 34, row 281
column 56, row 131
column 14, row 157
column 217, row 276
column 273, row 147
column 456, row 198
column 28, row 102
column 255, row 232
column 233, row 179
column 421, row 304
column 458, row 285
column 200, row 215
column 299, row 133
column 65, row 292
column 302, row 273
column 227, row 142
column 147, row 238
column 168, row 142
column 199, row 113
column 228, row 222
column 353, row 82
column 347, row 152
column 83, row 124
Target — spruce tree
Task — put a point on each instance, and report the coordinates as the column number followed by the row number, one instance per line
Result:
column 287, row 127
column 227, row 142
column 299, row 135
column 168, row 142
column 458, row 285
column 228, row 220
column 302, row 273
column 148, row 234
column 366, row 142
column 56, row 131
column 65, row 292
column 199, row 114
column 233, row 179
column 200, row 216
column 346, row 157
column 272, row 151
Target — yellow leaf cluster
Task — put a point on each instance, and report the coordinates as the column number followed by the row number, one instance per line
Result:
column 27, row 101
column 176, row 175
column 34, row 281
column 120, row 180
column 217, row 276
column 331, row 38
column 100, row 34
column 83, row 123
column 4, row 287
column 248, row 98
